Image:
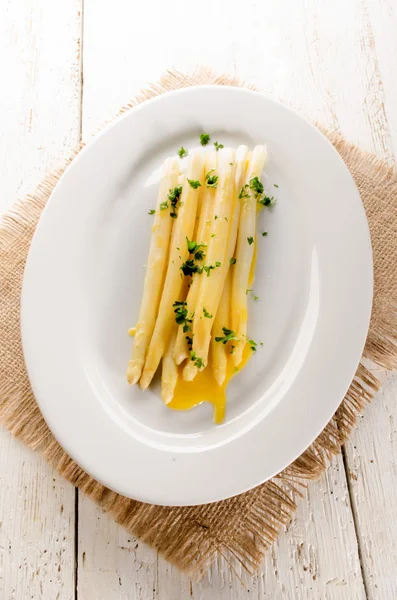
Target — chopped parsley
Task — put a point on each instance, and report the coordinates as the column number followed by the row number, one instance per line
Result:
column 189, row 267
column 173, row 196
column 195, row 249
column 151, row 211
column 275, row 185
column 250, row 240
column 204, row 139
column 218, row 146
column 206, row 313
column 191, row 245
column 267, row 201
column 198, row 362
column 264, row 233
column 189, row 342
column 227, row 337
column 182, row 152
column 212, row 234
column 181, row 315
column 256, row 186
column 243, row 192
column 208, row 268
column 164, row 205
column 193, row 183
column 233, row 261
column 256, row 298
column 248, row 291
column 215, row 218
column 253, row 345
column 231, row 164
column 211, row 180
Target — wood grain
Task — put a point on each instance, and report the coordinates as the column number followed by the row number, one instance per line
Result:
column 39, row 123
column 332, row 62
column 313, row 559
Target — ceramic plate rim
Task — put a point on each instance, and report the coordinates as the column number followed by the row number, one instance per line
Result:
column 29, row 305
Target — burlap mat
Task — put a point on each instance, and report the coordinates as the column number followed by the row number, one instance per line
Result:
column 240, row 528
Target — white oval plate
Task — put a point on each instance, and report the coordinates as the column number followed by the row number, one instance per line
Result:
column 84, row 279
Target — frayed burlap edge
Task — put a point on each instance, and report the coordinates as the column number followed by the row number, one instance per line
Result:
column 241, row 528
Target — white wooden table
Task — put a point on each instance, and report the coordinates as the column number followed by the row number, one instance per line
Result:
column 65, row 68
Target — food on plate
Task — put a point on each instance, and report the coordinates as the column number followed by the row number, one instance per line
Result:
column 194, row 311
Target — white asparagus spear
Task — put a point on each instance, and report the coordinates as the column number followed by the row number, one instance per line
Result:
column 169, row 375
column 183, row 228
column 155, row 273
column 181, row 350
column 244, row 254
column 222, row 318
column 219, row 350
column 212, row 279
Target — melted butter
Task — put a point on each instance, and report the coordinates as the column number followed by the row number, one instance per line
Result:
column 204, row 388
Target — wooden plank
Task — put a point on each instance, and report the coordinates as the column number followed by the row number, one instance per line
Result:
column 308, row 560
column 111, row 563
column 39, row 115
column 382, row 18
column 371, row 452
column 37, row 526
column 315, row 558
column 318, row 556
column 371, row 457
column 284, row 53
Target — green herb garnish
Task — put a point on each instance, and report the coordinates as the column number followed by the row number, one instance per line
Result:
column 243, row 192
column 208, row 269
column 193, row 183
column 199, row 254
column 181, row 315
column 211, row 180
column 218, row 146
column 206, row 313
column 227, row 337
column 191, row 245
column 250, row 240
column 264, row 233
column 233, row 261
column 182, row 152
column 198, row 362
column 164, row 205
column 256, row 186
column 248, row 291
column 217, row 263
column 253, row 345
column 189, row 267
column 267, row 201
column 151, row 211
column 275, row 185
column 173, row 196
column 196, row 249
column 204, row 139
